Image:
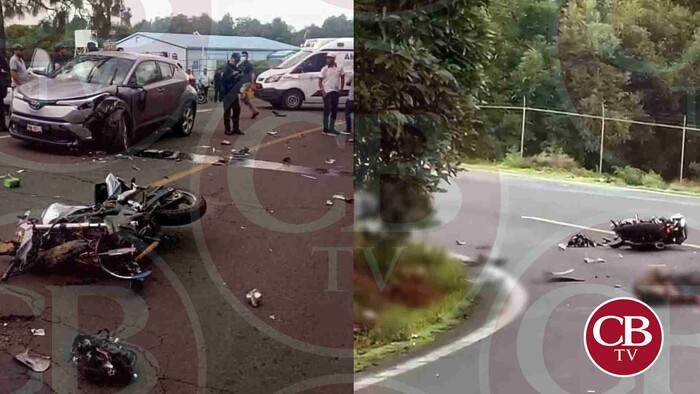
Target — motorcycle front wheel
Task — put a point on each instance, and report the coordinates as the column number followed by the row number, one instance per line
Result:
column 180, row 208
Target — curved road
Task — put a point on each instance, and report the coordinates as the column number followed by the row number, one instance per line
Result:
column 542, row 350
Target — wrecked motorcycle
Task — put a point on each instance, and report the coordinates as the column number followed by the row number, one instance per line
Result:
column 115, row 235
column 655, row 232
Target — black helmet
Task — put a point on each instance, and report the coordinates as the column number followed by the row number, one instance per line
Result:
column 236, row 56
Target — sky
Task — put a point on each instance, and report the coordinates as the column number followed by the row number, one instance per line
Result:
column 298, row 13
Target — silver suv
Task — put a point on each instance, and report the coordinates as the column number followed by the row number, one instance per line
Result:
column 107, row 98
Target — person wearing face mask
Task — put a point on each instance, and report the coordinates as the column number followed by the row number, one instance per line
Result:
column 231, row 86
column 331, row 81
column 248, row 79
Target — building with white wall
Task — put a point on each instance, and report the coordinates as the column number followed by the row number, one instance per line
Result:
column 198, row 51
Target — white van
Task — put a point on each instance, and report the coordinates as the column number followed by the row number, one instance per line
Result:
column 295, row 81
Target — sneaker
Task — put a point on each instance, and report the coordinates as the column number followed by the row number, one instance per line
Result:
column 346, row 132
column 331, row 133
column 238, row 132
column 228, row 132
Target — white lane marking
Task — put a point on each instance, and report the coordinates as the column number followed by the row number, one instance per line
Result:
column 204, row 110
column 585, row 228
column 518, row 299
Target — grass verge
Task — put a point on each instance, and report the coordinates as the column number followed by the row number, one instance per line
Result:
column 425, row 295
column 626, row 177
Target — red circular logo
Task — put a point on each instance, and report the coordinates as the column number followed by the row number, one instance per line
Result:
column 623, row 337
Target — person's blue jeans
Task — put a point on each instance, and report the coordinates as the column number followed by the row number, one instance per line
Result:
column 330, row 110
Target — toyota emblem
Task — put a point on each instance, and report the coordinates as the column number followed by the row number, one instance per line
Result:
column 35, row 104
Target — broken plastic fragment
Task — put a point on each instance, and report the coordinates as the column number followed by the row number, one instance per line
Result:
column 562, row 246
column 593, row 261
column 272, row 317
column 562, row 273
column 36, row 363
column 343, row 198
column 21, row 171
column 225, row 142
column 330, row 161
column 136, row 168
column 461, row 243
column 308, row 176
column 617, row 286
column 329, row 203
column 254, row 297
column 272, row 132
column 38, row 332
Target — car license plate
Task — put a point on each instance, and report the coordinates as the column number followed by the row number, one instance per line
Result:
column 34, row 128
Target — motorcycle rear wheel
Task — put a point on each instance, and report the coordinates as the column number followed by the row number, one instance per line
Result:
column 187, row 210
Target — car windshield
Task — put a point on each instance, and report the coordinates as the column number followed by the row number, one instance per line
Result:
column 294, row 60
column 101, row 70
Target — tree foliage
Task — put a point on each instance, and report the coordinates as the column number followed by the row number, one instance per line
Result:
column 420, row 70
column 638, row 57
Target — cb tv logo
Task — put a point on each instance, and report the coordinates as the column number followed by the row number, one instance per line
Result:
column 623, row 337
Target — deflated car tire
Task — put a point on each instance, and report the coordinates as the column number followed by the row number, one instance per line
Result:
column 117, row 133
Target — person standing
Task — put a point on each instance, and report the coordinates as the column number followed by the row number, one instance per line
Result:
column 331, row 81
column 348, row 106
column 204, row 81
column 217, row 85
column 59, row 56
column 231, row 87
column 191, row 79
column 4, row 84
column 248, row 80
column 18, row 70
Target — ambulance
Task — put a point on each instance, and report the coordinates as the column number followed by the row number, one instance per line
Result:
column 294, row 82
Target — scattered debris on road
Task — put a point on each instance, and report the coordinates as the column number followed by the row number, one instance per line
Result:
column 272, row 132
column 330, row 161
column 225, row 142
column 136, row 168
column 562, row 273
column 581, row 241
column 343, row 198
column 620, row 256
column 279, row 114
column 562, row 247
column 617, row 286
column 329, row 203
column 272, row 317
column 38, row 332
column 594, row 261
column 287, row 160
column 102, row 360
column 309, row 176
column 461, row 243
column 11, row 182
column 254, row 297
column 37, row 363
column 564, row 276
column 240, row 154
column 21, row 171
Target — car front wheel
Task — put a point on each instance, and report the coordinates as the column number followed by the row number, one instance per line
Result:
column 292, row 100
column 185, row 124
column 117, row 131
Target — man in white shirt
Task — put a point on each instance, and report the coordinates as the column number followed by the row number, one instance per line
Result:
column 18, row 69
column 204, row 81
column 331, row 81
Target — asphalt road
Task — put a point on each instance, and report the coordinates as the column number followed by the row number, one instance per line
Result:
column 542, row 350
column 267, row 227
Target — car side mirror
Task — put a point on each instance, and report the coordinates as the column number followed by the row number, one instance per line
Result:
column 101, row 193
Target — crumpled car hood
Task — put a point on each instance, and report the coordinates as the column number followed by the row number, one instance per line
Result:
column 47, row 89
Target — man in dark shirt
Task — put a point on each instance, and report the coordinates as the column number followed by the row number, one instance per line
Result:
column 248, row 80
column 217, row 85
column 231, row 87
column 4, row 84
column 59, row 56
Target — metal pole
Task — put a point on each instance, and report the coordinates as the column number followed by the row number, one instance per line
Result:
column 602, row 141
column 522, row 133
column 685, row 125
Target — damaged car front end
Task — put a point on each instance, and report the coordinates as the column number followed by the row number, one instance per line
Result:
column 103, row 98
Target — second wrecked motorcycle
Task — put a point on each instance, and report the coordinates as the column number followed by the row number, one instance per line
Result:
column 656, row 232
column 114, row 235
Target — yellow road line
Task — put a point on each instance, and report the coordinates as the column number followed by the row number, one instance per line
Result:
column 199, row 168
